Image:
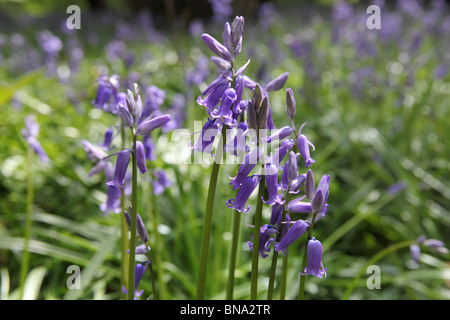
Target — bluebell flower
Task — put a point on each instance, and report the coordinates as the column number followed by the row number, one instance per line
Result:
column 265, row 240
column 123, row 159
column 140, row 157
column 139, row 272
column 151, row 123
column 249, row 163
column 107, row 94
column 30, row 133
column 213, row 93
column 303, row 145
column 271, row 172
column 112, row 200
column 224, row 114
column 246, row 189
column 160, row 181
column 207, row 136
column 285, row 147
column 314, row 256
column 141, row 230
column 109, row 133
column 293, row 233
column 290, row 104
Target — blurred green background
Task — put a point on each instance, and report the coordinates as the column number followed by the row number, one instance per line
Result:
column 376, row 103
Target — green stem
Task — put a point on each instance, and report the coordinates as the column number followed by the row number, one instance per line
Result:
column 283, row 277
column 301, row 288
column 123, row 226
column 273, row 266
column 373, row 260
column 256, row 240
column 233, row 253
column 157, row 248
column 133, row 214
column 152, row 273
column 207, row 222
column 28, row 222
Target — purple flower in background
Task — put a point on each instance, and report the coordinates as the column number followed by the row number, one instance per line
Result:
column 107, row 96
column 155, row 98
column 222, row 10
column 30, row 133
column 160, row 182
column 441, row 71
column 314, row 256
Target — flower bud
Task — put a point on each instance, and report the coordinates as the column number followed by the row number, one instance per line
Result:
column 151, row 123
column 257, row 96
column 310, row 185
column 263, row 112
column 290, row 104
column 141, row 230
column 251, row 116
column 277, row 83
column 216, row 47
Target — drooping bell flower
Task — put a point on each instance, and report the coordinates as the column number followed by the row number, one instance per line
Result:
column 123, row 159
column 140, row 157
column 265, row 239
column 314, row 256
column 280, row 134
column 209, row 132
column 213, row 93
column 246, row 189
column 319, row 202
column 276, row 212
column 294, row 232
column 112, row 200
column 250, row 161
column 281, row 152
column 139, row 272
column 225, row 114
column 303, row 146
column 30, row 133
column 160, row 182
column 94, row 153
column 271, row 173
column 108, row 138
column 298, row 206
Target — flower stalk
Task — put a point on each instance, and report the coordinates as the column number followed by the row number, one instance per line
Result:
column 133, row 214
column 28, row 222
column 207, row 221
